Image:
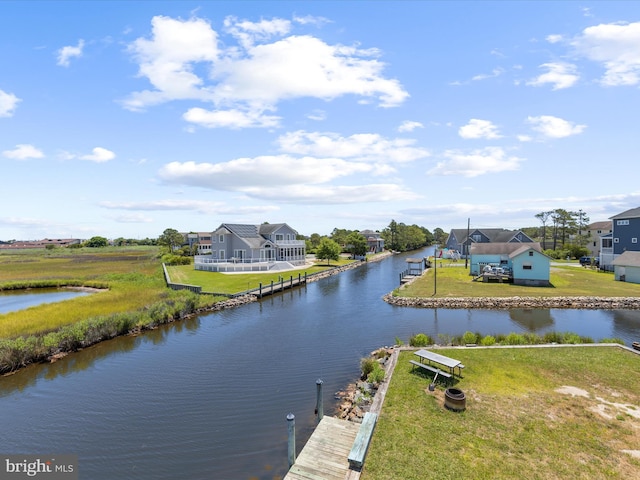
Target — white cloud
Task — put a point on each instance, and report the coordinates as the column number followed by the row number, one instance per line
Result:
column 200, row 206
column 335, row 195
column 248, row 33
column 317, row 115
column 274, row 171
column 8, row 103
column 555, row 38
column 559, row 74
column 615, row 46
column 477, row 128
column 554, row 127
column 524, row 138
column 65, row 54
column 99, row 155
column 23, row 152
column 230, row 118
column 252, row 77
column 496, row 72
column 367, row 147
column 409, row 126
column 475, row 163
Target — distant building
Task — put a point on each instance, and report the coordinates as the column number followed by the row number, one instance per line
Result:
column 57, row 242
column 594, row 232
column 624, row 237
column 460, row 238
column 375, row 243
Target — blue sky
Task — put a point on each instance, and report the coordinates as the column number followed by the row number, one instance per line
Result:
column 122, row 119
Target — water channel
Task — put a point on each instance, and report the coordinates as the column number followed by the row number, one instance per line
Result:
column 207, row 398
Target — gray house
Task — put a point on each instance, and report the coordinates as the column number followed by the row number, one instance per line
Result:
column 624, row 237
column 460, row 238
column 241, row 247
column 524, row 263
column 626, row 267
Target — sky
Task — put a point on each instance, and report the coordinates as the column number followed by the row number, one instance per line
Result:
column 125, row 118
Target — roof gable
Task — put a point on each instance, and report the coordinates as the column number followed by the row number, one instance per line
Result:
column 628, row 259
column 632, row 213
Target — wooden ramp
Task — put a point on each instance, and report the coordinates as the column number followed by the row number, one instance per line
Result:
column 324, row 457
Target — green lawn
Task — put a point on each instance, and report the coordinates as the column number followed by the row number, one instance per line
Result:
column 230, row 283
column 453, row 280
column 517, row 424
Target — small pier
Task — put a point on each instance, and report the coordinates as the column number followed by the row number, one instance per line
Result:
column 274, row 287
column 325, row 454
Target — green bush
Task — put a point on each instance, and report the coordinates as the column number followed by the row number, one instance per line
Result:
column 469, row 337
column 367, row 365
column 515, row 339
column 376, row 375
column 487, row 341
column 420, row 340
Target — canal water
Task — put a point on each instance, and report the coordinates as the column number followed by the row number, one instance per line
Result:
column 208, row 398
column 14, row 300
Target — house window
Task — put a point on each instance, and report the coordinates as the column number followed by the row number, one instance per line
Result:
column 221, row 238
column 622, row 222
column 476, row 237
column 634, row 240
column 222, row 255
column 279, row 237
column 531, row 254
column 526, row 266
column 239, row 254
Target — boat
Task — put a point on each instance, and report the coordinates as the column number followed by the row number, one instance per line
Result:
column 636, row 345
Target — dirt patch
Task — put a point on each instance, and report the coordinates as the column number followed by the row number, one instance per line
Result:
column 603, row 407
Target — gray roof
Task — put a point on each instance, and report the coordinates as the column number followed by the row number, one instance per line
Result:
column 493, row 234
column 628, row 259
column 633, row 213
column 503, row 248
column 269, row 228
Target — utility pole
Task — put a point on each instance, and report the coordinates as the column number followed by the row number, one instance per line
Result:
column 467, row 242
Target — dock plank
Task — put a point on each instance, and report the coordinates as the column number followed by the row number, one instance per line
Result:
column 324, row 457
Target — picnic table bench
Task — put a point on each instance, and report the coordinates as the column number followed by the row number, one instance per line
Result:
column 448, row 362
column 435, row 370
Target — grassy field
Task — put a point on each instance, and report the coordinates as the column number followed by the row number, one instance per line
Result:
column 519, row 421
column 453, row 280
column 239, row 282
column 133, row 276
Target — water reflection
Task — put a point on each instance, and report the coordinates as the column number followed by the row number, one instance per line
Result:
column 532, row 320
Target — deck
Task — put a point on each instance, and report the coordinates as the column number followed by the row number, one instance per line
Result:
column 324, row 457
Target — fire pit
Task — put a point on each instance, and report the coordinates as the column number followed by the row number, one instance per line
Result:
column 455, row 399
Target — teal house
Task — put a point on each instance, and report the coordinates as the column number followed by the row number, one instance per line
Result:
column 523, row 263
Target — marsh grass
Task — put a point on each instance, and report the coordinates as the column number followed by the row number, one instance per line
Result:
column 454, row 281
column 516, row 424
column 136, row 299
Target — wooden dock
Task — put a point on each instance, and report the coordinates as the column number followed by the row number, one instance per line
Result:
column 324, row 457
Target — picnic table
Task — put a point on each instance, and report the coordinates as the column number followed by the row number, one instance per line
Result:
column 431, row 356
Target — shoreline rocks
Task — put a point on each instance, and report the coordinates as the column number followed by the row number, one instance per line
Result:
column 507, row 303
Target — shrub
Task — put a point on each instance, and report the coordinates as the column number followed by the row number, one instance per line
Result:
column 376, row 375
column 487, row 341
column 515, row 339
column 469, row 337
column 420, row 340
column 367, row 365
column 619, row 341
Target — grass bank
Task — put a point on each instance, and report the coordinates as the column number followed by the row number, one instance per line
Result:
column 545, row 413
column 135, row 298
column 453, row 280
